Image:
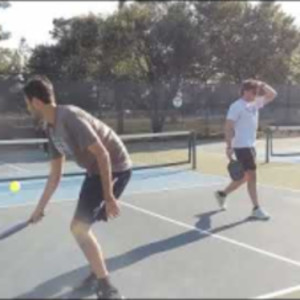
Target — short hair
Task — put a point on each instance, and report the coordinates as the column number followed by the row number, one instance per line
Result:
column 249, row 85
column 39, row 87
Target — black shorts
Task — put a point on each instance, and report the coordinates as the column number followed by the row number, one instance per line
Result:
column 90, row 207
column 247, row 157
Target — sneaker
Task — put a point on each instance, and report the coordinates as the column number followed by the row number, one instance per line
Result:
column 221, row 198
column 108, row 292
column 259, row 214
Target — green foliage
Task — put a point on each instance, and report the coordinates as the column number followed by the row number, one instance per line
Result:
column 148, row 41
column 10, row 59
column 4, row 35
column 157, row 45
column 249, row 41
column 76, row 55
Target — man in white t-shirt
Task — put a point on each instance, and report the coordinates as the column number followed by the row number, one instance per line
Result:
column 240, row 136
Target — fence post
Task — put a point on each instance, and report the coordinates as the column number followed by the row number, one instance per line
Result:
column 268, row 132
column 194, row 150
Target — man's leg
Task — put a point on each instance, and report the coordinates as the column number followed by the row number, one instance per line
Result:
column 91, row 248
column 257, row 212
column 250, row 167
column 252, row 187
column 233, row 185
column 93, row 253
column 87, row 212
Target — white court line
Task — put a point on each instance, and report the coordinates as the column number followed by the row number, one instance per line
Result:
column 216, row 236
column 279, row 293
column 192, row 186
column 15, row 167
column 185, row 225
column 260, row 184
column 23, row 204
column 216, row 176
column 210, row 184
column 282, row 258
column 126, row 194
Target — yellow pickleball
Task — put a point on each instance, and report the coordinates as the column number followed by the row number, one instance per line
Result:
column 14, row 186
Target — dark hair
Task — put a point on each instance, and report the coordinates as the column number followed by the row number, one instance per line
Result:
column 39, row 87
column 249, row 85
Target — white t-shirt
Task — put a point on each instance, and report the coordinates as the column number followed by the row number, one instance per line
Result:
column 245, row 117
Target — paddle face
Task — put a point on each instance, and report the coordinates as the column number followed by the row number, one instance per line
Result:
column 13, row 229
column 235, row 170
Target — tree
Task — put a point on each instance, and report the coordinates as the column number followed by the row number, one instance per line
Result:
column 294, row 74
column 249, row 41
column 121, row 4
column 24, row 53
column 9, row 60
column 77, row 52
column 282, row 38
column 151, row 43
column 148, row 49
column 4, row 35
column 46, row 60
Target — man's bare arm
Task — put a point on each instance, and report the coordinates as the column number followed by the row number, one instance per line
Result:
column 229, row 134
column 104, row 166
column 51, row 185
column 269, row 92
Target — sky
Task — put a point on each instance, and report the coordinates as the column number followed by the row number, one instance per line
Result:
column 33, row 19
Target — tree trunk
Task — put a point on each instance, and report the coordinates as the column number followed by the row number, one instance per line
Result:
column 157, row 123
column 157, row 115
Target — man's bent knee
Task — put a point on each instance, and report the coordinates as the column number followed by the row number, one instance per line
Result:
column 79, row 229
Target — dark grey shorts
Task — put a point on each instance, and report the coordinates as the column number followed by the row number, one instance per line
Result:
column 247, row 157
column 90, row 207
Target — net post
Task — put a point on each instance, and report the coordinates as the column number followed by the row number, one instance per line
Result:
column 268, row 135
column 271, row 142
column 193, row 150
column 190, row 148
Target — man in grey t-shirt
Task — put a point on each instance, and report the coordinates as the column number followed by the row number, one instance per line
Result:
column 96, row 148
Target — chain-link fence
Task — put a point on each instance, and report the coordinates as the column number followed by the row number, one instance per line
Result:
column 131, row 107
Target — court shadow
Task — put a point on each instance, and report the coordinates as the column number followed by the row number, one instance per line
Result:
column 205, row 223
column 61, row 286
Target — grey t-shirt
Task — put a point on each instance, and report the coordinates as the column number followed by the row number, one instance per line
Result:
column 75, row 130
